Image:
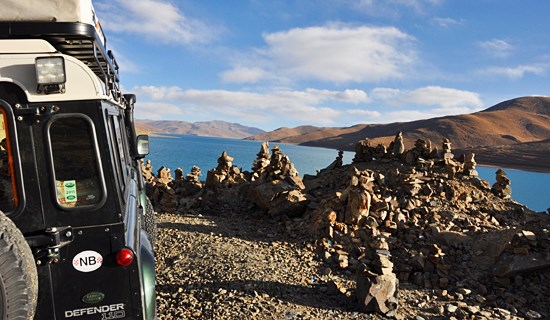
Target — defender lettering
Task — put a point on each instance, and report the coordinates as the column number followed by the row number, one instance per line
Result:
column 94, row 310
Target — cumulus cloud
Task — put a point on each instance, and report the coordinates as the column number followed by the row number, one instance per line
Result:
column 424, row 103
column 370, row 114
column 309, row 106
column 243, row 75
column 449, row 99
column 446, row 98
column 157, row 20
column 334, row 53
column 515, row 72
column 387, row 94
column 339, row 53
column 150, row 110
column 349, row 95
column 497, row 48
column 312, row 106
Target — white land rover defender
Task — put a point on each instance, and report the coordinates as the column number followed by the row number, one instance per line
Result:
column 76, row 229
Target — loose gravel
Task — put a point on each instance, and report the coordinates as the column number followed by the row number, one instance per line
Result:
column 231, row 267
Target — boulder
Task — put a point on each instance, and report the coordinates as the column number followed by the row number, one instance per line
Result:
column 263, row 194
column 290, row 203
column 377, row 293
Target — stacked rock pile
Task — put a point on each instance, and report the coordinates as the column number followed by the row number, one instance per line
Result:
column 418, row 218
column 502, row 187
column 421, row 218
column 274, row 186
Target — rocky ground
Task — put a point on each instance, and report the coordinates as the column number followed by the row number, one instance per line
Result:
column 410, row 234
column 217, row 267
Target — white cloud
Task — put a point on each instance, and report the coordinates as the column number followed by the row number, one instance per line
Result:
column 157, row 20
column 497, row 48
column 445, row 100
column 156, row 110
column 339, row 53
column 349, row 95
column 364, row 113
column 307, row 106
column 243, row 75
column 515, row 72
column 385, row 93
column 354, row 95
column 446, row 22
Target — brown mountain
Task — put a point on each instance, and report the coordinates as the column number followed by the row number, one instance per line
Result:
column 208, row 128
column 531, row 156
column 511, row 123
column 518, row 120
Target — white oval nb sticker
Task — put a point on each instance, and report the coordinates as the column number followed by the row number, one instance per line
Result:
column 87, row 261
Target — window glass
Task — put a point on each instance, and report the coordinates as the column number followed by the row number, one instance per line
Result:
column 76, row 165
column 8, row 191
column 121, row 145
column 118, row 150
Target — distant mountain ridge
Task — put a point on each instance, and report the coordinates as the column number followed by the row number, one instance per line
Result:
column 213, row 128
column 513, row 133
column 519, row 120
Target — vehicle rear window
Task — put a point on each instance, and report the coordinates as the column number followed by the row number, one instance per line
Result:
column 76, row 166
column 8, row 190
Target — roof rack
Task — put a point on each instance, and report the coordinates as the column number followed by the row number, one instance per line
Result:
column 79, row 40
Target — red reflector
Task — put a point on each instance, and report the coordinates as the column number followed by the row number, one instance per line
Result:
column 124, row 257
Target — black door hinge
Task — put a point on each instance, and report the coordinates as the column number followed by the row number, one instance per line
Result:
column 46, row 246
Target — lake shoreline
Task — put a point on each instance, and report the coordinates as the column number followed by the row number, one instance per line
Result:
column 515, row 166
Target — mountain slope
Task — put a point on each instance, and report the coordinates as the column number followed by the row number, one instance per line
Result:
column 532, row 156
column 208, row 128
column 519, row 120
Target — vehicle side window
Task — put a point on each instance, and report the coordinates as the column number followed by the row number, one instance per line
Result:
column 76, row 166
column 8, row 190
column 118, row 148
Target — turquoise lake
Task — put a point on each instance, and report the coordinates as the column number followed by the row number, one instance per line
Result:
column 183, row 151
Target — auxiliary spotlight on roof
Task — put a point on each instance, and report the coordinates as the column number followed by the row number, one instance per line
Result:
column 50, row 74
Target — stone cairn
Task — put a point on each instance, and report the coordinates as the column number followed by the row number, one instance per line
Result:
column 446, row 152
column 502, row 187
column 147, row 171
column 225, row 174
column 470, row 164
column 188, row 185
column 159, row 187
column 416, row 216
column 274, row 186
column 387, row 221
column 274, row 166
column 398, row 146
column 166, row 192
column 193, row 177
column 261, row 164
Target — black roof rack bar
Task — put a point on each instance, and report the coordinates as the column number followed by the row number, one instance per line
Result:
column 76, row 39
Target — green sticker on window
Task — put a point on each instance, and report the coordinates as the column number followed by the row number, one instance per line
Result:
column 69, row 187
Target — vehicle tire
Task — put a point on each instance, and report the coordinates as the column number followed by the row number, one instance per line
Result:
column 150, row 222
column 18, row 276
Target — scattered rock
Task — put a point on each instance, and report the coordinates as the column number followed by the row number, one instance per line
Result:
column 420, row 216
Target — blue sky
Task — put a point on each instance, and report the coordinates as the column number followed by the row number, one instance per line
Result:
column 283, row 63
